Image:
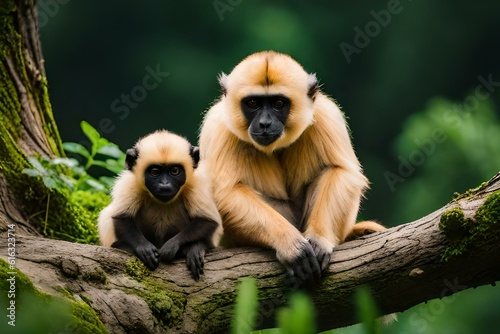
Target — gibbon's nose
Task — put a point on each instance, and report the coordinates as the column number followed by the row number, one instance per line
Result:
column 265, row 121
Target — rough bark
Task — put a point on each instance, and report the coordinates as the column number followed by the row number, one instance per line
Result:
column 402, row 266
column 27, row 126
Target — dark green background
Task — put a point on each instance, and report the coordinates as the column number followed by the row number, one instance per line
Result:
column 95, row 51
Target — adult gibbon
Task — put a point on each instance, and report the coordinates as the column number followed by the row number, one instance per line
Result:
column 162, row 204
column 283, row 168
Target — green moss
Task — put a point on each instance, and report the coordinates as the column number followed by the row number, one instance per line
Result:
column 465, row 233
column 85, row 319
column 7, row 6
column 469, row 193
column 95, row 276
column 136, row 269
column 488, row 215
column 40, row 312
column 92, row 201
column 216, row 310
column 55, row 212
column 454, row 224
column 23, row 283
column 167, row 306
column 9, row 101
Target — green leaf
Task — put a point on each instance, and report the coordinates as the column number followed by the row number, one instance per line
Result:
column 101, row 143
column 76, row 148
column 367, row 310
column 71, row 163
column 69, row 182
column 107, row 181
column 298, row 317
column 49, row 182
column 111, row 150
column 245, row 311
column 112, row 167
column 96, row 185
column 31, row 172
column 38, row 166
column 90, row 132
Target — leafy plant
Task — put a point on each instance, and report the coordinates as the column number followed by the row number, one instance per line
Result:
column 86, row 194
column 367, row 311
column 245, row 310
column 114, row 160
column 298, row 317
column 69, row 173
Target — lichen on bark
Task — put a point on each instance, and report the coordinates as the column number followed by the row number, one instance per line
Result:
column 27, row 127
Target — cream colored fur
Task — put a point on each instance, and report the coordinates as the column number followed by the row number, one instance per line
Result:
column 314, row 154
column 129, row 193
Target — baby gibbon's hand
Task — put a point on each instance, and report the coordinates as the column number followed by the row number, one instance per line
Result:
column 148, row 254
column 169, row 250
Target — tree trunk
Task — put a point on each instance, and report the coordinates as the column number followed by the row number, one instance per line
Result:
column 403, row 266
column 27, row 128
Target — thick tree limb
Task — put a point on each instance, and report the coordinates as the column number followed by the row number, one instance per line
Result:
column 402, row 266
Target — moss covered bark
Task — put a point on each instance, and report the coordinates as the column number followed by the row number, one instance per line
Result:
column 27, row 127
column 468, row 233
column 35, row 311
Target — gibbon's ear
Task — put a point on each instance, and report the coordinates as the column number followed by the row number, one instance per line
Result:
column 223, row 83
column 131, row 158
column 313, row 85
column 194, row 151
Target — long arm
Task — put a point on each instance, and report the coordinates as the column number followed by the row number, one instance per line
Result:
column 117, row 227
column 333, row 198
column 131, row 239
column 249, row 220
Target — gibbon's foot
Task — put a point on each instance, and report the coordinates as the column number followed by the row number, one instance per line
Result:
column 148, row 254
column 169, row 250
column 304, row 269
column 195, row 259
column 322, row 254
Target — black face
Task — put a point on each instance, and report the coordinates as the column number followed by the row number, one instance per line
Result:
column 266, row 116
column 164, row 181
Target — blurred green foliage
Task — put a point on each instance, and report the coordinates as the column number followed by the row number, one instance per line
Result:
column 367, row 311
column 445, row 145
column 29, row 310
column 245, row 308
column 133, row 67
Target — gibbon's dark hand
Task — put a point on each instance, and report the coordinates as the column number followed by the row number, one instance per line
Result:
column 148, row 254
column 323, row 255
column 169, row 250
column 304, row 269
column 195, row 259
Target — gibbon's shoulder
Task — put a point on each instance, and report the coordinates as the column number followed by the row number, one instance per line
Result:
column 127, row 193
column 199, row 182
column 327, row 113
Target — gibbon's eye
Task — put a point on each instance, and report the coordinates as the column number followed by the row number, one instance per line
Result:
column 253, row 104
column 155, row 172
column 278, row 104
column 174, row 171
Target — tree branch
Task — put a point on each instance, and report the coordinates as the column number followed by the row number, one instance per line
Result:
column 403, row 267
